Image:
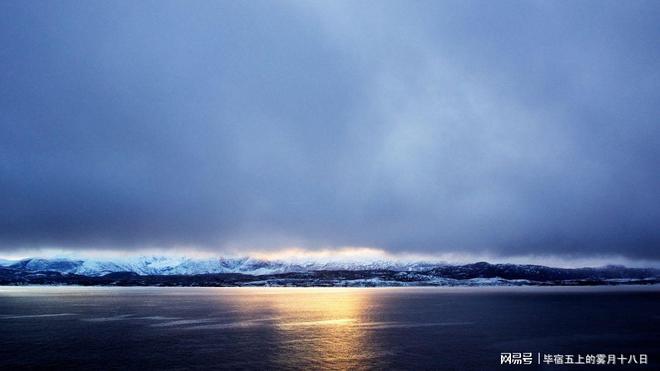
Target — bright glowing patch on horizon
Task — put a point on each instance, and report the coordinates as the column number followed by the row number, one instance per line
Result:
column 341, row 253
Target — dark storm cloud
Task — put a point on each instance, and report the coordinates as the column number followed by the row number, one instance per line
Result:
column 508, row 128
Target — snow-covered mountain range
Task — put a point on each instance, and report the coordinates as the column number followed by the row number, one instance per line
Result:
column 183, row 271
column 168, row 265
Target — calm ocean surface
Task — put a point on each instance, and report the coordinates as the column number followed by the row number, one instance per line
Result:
column 325, row 328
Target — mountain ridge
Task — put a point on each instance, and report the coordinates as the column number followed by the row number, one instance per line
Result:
column 159, row 271
column 160, row 265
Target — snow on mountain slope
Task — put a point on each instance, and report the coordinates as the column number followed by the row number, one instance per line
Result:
column 167, row 265
column 5, row 262
column 57, row 265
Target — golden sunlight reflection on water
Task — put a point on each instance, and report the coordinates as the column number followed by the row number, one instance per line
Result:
column 324, row 327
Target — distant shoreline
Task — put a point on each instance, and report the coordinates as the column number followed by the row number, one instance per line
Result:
column 338, row 284
column 456, row 289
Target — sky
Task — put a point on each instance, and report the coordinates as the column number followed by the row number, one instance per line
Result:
column 503, row 129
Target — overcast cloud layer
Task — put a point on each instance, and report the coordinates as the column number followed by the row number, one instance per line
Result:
column 509, row 128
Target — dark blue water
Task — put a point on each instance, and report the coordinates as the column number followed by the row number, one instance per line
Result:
column 268, row 328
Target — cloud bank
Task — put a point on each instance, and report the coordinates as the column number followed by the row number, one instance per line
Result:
column 506, row 129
